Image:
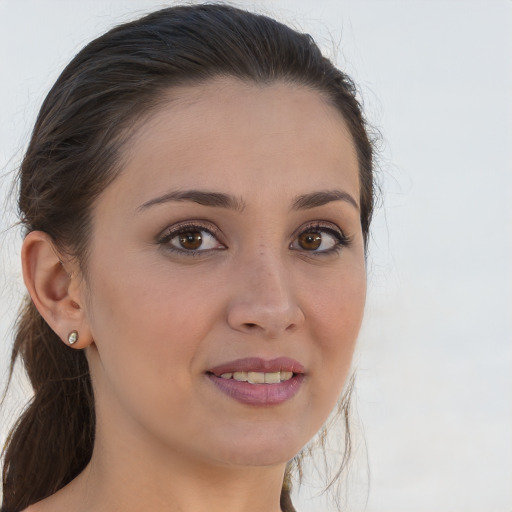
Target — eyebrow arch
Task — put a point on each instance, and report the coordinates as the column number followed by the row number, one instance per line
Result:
column 215, row 199
column 315, row 199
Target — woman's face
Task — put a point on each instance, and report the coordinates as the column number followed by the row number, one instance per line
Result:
column 226, row 281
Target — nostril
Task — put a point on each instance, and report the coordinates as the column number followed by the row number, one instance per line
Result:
column 251, row 326
column 291, row 327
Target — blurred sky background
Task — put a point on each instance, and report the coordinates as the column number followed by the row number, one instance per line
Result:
column 433, row 428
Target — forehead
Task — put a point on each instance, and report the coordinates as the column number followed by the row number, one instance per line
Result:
column 247, row 137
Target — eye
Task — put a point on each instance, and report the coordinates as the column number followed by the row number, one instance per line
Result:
column 320, row 239
column 190, row 239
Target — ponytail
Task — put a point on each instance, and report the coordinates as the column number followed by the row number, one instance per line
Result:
column 52, row 441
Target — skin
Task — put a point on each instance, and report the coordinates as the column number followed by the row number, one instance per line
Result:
column 154, row 321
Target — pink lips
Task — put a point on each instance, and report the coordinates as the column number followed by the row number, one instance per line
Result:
column 258, row 394
column 256, row 364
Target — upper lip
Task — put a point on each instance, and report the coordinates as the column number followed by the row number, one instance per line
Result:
column 257, row 364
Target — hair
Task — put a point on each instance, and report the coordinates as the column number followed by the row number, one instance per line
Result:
column 75, row 152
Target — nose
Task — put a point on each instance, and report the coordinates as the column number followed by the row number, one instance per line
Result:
column 264, row 302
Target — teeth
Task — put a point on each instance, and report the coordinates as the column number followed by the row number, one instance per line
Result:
column 258, row 377
column 272, row 378
column 255, row 377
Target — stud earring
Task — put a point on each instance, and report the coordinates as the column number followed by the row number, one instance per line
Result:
column 73, row 337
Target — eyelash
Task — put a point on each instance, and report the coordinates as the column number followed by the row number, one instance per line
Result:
column 340, row 238
column 181, row 229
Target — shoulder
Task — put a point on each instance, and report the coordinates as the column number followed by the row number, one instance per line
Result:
column 36, row 507
column 46, row 505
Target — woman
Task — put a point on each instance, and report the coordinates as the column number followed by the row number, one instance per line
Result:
column 196, row 195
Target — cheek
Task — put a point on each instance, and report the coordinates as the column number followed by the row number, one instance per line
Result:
column 149, row 325
column 149, row 336
column 338, row 313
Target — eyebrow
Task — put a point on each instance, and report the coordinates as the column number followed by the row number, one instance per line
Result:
column 220, row 200
column 215, row 199
column 315, row 199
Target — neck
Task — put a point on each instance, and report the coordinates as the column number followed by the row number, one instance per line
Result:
column 130, row 475
column 181, row 484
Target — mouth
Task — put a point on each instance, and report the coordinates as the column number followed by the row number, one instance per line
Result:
column 259, row 382
column 258, row 377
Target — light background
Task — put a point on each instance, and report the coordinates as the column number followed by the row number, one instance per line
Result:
column 434, row 365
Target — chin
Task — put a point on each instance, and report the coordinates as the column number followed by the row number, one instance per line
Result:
column 262, row 448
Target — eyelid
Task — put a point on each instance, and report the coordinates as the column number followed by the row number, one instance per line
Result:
column 170, row 232
column 342, row 240
column 174, row 230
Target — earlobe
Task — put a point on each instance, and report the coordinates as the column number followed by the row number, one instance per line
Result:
column 54, row 288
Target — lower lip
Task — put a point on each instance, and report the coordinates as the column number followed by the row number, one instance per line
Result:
column 259, row 394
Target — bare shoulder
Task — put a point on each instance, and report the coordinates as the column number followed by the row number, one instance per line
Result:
column 36, row 507
column 40, row 506
column 33, row 508
column 53, row 503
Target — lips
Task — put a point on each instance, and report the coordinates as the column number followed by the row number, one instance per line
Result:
column 258, row 382
column 256, row 364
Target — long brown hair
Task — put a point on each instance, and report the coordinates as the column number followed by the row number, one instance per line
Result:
column 75, row 152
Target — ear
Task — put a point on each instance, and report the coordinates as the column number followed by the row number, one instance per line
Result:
column 56, row 288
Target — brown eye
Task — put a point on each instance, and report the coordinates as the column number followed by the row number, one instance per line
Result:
column 191, row 240
column 320, row 240
column 310, row 241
